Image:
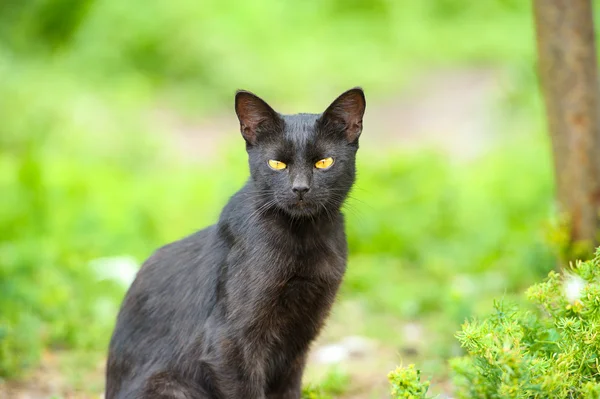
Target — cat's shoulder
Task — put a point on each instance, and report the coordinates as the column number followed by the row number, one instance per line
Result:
column 174, row 259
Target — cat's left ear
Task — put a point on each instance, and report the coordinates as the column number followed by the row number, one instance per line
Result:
column 347, row 110
column 254, row 114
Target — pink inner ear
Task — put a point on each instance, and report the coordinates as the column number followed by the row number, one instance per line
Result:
column 349, row 107
column 353, row 131
column 249, row 114
column 352, row 108
column 248, row 119
column 252, row 111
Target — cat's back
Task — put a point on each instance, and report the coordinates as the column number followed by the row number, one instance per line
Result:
column 167, row 276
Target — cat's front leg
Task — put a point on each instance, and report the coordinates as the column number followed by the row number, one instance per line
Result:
column 168, row 385
column 243, row 375
column 290, row 383
column 250, row 385
column 293, row 391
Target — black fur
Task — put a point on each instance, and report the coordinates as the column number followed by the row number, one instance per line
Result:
column 230, row 311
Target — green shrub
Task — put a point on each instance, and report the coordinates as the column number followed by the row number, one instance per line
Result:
column 406, row 383
column 551, row 350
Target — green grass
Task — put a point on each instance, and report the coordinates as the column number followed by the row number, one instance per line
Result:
column 335, row 383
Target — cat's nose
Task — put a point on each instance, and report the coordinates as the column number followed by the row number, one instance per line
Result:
column 300, row 189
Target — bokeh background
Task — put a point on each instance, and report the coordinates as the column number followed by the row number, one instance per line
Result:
column 117, row 135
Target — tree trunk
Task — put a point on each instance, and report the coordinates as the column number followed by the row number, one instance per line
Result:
column 568, row 73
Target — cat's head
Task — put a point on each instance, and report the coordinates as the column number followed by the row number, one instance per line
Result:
column 302, row 164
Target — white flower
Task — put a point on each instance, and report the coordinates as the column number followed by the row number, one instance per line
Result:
column 572, row 286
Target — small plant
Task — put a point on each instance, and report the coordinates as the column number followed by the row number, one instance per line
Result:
column 406, row 383
column 549, row 351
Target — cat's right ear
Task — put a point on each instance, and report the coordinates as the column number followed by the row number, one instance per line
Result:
column 347, row 112
column 253, row 114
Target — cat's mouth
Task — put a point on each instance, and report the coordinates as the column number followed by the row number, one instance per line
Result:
column 301, row 207
column 301, row 204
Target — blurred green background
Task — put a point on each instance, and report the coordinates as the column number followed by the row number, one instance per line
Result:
column 117, row 135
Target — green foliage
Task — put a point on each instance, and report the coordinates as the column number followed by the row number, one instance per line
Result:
column 406, row 383
column 41, row 25
column 549, row 351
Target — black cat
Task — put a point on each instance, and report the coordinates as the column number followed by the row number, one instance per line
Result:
column 230, row 311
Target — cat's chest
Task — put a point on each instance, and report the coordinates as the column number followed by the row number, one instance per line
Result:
column 291, row 280
column 300, row 294
column 307, row 270
column 269, row 276
column 304, row 284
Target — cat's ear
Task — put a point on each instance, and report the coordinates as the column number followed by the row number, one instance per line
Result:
column 347, row 112
column 253, row 113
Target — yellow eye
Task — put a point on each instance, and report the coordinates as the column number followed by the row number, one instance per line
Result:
column 324, row 163
column 277, row 165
